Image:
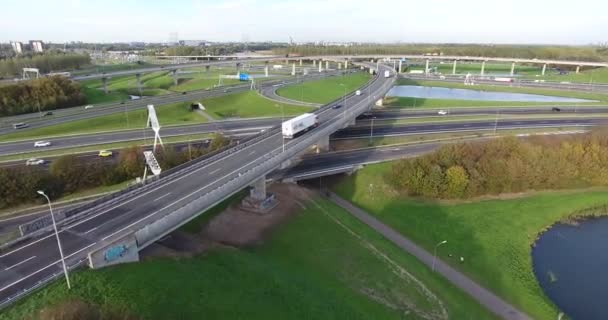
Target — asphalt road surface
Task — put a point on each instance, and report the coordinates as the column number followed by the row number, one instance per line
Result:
column 27, row 264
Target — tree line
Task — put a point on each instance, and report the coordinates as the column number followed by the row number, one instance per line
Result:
column 584, row 53
column 69, row 174
column 40, row 94
column 506, row 165
column 44, row 62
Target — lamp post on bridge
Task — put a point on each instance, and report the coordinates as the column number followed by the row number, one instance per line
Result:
column 65, row 269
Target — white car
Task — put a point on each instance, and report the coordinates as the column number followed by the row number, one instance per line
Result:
column 88, row 107
column 442, row 112
column 358, row 92
column 42, row 144
column 34, row 162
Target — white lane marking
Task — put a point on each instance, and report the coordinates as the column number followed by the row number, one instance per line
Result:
column 29, row 244
column 188, row 195
column 252, row 152
column 20, row 263
column 50, row 265
column 214, row 171
column 161, row 197
column 91, row 230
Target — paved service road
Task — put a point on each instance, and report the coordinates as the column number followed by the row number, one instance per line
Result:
column 486, row 298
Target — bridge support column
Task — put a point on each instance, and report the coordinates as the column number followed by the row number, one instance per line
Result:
column 300, row 62
column 138, row 78
column 320, row 66
column 266, row 71
column 513, row 69
column 454, row 67
column 400, row 66
column 314, row 63
column 104, row 81
column 326, row 65
column 483, row 68
column 544, row 69
column 174, row 76
column 346, row 64
column 258, row 189
column 323, row 144
column 293, row 69
column 426, row 68
column 578, row 69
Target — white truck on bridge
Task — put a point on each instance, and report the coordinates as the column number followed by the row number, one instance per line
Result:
column 299, row 124
column 387, row 74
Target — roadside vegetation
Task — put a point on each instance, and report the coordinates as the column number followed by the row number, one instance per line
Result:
column 494, row 227
column 346, row 271
column 69, row 174
column 39, row 95
column 325, row 90
column 170, row 114
column 47, row 62
column 249, row 104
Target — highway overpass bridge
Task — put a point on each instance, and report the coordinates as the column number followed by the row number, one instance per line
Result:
column 114, row 230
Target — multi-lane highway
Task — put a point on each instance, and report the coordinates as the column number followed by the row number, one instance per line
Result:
column 27, row 264
column 36, row 120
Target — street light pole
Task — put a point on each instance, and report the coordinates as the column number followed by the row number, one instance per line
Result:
column 65, row 269
column 435, row 253
column 496, row 122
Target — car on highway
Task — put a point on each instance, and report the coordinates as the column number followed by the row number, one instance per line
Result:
column 20, row 125
column 88, row 106
column 105, row 153
column 34, row 162
column 42, row 144
column 358, row 92
column 48, row 113
column 556, row 109
column 337, row 106
column 184, row 92
column 442, row 112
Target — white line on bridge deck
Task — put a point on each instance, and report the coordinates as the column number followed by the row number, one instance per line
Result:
column 20, row 263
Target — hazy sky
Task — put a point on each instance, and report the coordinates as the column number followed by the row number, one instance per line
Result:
column 481, row 21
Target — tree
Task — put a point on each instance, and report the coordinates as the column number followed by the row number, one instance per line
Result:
column 457, row 181
column 218, row 141
column 132, row 162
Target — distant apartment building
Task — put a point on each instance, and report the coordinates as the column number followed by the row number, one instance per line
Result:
column 36, row 45
column 17, row 47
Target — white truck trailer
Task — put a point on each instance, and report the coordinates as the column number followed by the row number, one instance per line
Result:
column 387, row 74
column 299, row 124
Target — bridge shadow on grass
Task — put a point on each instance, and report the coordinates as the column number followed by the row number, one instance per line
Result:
column 427, row 223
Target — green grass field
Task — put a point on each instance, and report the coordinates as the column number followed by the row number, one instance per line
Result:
column 344, row 271
column 493, row 236
column 249, row 105
column 325, row 90
column 171, row 114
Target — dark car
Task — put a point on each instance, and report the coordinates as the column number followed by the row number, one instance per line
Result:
column 122, row 102
column 48, row 113
column 184, row 92
column 556, row 109
column 338, row 106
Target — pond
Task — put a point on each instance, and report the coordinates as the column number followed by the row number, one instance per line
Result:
column 423, row 92
column 571, row 265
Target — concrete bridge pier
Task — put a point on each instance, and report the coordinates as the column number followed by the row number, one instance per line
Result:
column 578, row 69
column 483, row 68
column 346, row 64
column 258, row 189
column 323, row 145
column 513, row 69
column 314, row 63
column 400, row 65
column 293, row 69
column 426, row 68
column 339, row 65
column 104, row 82
column 266, row 71
column 138, row 79
column 544, row 69
column 320, row 66
column 326, row 65
column 454, row 67
column 174, row 76
column 300, row 62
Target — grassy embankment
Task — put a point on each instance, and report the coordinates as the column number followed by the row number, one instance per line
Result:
column 249, row 105
column 325, row 90
column 492, row 235
column 408, row 102
column 345, row 271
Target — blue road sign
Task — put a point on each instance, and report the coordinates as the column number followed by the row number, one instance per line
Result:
column 243, row 76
